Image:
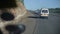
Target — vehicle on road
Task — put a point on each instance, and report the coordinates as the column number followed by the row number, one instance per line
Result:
column 44, row 12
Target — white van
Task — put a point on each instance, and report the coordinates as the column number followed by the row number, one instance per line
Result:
column 44, row 12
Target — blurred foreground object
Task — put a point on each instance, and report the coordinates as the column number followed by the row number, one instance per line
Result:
column 11, row 13
column 15, row 29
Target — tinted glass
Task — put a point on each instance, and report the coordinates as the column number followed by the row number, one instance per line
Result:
column 44, row 11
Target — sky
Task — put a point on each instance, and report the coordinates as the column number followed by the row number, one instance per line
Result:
column 37, row 4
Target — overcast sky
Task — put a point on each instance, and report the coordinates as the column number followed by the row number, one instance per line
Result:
column 37, row 4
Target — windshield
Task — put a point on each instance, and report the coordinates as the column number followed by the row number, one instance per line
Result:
column 44, row 11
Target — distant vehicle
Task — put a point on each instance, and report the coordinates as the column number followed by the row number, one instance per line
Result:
column 44, row 12
column 37, row 11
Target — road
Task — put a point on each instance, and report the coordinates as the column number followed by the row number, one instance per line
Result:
column 48, row 26
column 36, row 25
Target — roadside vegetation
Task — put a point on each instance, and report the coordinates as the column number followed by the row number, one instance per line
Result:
column 54, row 10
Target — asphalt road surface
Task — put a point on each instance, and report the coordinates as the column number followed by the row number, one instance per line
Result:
column 48, row 26
column 36, row 25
